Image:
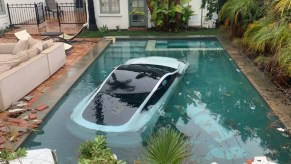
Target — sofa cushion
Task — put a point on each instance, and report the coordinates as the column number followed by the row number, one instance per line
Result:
column 48, row 43
column 4, row 68
column 20, row 46
column 15, row 59
column 35, row 43
column 32, row 52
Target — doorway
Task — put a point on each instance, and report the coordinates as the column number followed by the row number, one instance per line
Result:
column 138, row 13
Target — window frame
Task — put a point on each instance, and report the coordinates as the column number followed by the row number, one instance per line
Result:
column 110, row 5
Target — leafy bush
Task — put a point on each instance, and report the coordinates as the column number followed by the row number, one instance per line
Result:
column 7, row 155
column 103, row 29
column 97, row 152
column 167, row 146
column 170, row 15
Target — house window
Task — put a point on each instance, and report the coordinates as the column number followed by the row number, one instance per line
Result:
column 2, row 7
column 109, row 7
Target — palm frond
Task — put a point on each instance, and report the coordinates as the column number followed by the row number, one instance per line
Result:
column 282, row 6
column 167, row 146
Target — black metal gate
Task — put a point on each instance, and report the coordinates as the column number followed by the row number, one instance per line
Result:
column 72, row 13
column 26, row 14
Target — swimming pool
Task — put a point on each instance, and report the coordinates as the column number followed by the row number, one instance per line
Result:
column 214, row 105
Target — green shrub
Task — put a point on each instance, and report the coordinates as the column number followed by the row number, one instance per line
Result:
column 97, row 152
column 7, row 155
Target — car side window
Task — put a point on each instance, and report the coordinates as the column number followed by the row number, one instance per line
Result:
column 162, row 89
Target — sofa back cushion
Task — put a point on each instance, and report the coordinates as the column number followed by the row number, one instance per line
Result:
column 48, row 43
column 35, row 43
column 15, row 59
column 32, row 52
column 20, row 46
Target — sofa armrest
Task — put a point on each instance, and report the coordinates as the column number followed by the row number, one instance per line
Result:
column 6, row 48
column 56, row 56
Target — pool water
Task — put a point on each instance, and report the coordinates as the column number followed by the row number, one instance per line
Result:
column 214, row 105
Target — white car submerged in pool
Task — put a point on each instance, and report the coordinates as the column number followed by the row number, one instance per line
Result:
column 131, row 95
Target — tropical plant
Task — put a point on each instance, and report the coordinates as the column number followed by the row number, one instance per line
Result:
column 239, row 13
column 282, row 6
column 167, row 146
column 9, row 154
column 103, row 29
column 170, row 15
column 271, row 35
column 117, row 28
column 266, row 36
column 284, row 58
column 212, row 6
column 97, row 152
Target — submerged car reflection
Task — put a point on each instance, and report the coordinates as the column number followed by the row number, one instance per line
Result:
column 132, row 95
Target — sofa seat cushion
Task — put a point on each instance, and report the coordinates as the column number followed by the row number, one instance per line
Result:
column 21, row 45
column 35, row 43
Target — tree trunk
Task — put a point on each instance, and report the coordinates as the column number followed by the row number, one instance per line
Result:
column 91, row 12
column 177, row 15
column 149, row 4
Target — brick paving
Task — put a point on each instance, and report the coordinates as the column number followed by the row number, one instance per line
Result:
column 50, row 25
column 14, row 128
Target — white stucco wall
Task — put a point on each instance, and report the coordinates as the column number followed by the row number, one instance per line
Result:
column 199, row 17
column 195, row 20
column 113, row 20
column 4, row 21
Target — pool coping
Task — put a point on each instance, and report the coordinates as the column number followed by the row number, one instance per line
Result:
column 273, row 96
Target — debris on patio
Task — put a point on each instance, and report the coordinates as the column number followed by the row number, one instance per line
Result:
column 19, row 120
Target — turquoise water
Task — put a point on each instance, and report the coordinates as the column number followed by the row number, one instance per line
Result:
column 214, row 105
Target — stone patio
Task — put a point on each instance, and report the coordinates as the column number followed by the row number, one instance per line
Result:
column 13, row 128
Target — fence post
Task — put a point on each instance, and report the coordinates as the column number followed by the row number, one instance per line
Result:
column 58, row 14
column 36, row 14
column 42, row 11
column 11, row 25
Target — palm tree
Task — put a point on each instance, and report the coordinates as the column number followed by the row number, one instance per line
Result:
column 91, row 13
column 270, row 36
column 282, row 6
column 238, row 14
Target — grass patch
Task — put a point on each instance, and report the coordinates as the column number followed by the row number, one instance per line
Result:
column 95, row 34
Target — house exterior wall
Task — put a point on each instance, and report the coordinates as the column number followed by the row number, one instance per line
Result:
column 112, row 20
column 122, row 19
column 195, row 20
column 4, row 21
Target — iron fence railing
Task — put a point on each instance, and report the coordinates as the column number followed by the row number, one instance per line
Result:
column 71, row 13
column 25, row 14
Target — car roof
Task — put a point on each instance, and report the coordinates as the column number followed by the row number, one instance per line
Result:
column 156, row 60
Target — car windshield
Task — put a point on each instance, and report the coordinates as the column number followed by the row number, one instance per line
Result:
column 131, row 79
column 123, row 92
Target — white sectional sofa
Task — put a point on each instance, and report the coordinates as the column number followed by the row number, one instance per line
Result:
column 20, row 79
